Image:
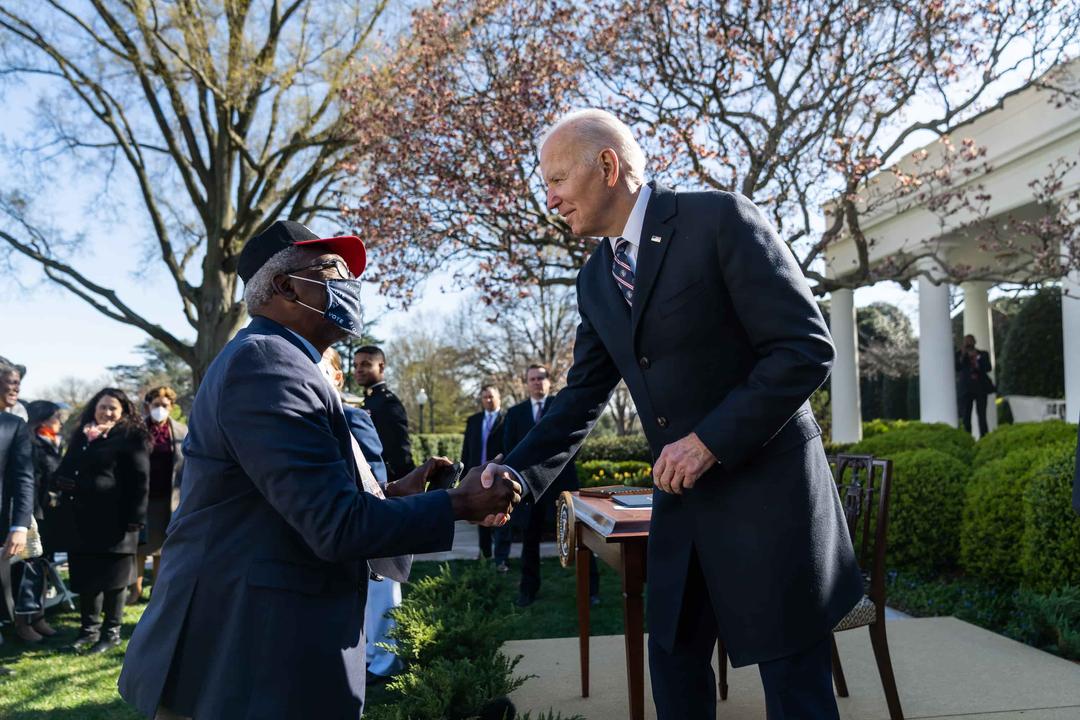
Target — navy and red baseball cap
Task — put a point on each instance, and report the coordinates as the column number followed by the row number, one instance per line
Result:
column 286, row 233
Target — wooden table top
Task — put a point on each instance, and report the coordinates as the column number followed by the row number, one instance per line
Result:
column 612, row 522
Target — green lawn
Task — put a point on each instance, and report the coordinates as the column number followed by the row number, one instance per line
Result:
column 55, row 683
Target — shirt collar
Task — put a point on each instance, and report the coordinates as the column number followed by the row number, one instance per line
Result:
column 636, row 221
column 315, row 356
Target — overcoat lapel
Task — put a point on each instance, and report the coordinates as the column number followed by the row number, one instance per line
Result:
column 656, row 234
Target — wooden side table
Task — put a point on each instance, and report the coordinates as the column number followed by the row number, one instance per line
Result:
column 619, row 537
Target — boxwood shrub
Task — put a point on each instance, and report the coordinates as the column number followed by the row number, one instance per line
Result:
column 1051, row 544
column 1006, row 439
column 925, row 507
column 617, row 448
column 426, row 445
column 918, row 436
column 993, row 522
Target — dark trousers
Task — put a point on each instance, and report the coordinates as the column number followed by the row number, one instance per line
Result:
column 30, row 596
column 541, row 517
column 502, row 537
column 797, row 687
column 91, row 606
column 979, row 400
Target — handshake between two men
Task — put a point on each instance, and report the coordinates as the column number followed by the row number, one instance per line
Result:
column 486, row 501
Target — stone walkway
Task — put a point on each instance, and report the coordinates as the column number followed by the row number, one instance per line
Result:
column 945, row 668
column 467, row 547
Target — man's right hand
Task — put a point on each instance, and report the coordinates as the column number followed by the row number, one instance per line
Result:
column 490, row 504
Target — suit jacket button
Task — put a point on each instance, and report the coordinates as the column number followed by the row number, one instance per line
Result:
column 644, row 363
column 661, row 421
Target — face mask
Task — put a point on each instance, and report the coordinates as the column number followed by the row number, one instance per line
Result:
column 342, row 304
column 158, row 414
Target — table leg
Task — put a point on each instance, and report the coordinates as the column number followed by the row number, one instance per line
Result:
column 584, row 555
column 633, row 581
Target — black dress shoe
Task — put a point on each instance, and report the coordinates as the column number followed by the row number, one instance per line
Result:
column 105, row 644
column 85, row 640
column 524, row 600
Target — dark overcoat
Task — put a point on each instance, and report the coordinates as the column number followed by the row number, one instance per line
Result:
column 724, row 340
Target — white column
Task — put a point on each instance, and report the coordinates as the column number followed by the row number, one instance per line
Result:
column 978, row 322
column 937, row 375
column 1070, row 331
column 846, row 408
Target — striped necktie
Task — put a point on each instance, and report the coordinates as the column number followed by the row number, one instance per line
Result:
column 622, row 272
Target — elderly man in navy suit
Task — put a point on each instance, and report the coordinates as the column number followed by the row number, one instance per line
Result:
column 258, row 609
column 693, row 300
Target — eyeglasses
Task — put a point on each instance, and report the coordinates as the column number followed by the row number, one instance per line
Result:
column 339, row 266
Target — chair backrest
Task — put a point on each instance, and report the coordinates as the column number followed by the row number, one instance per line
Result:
column 864, row 482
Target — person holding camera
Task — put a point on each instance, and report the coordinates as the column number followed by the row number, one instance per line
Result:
column 973, row 383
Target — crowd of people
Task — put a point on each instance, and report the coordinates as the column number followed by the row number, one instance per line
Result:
column 100, row 496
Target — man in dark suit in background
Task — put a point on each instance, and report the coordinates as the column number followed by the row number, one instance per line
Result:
column 482, row 442
column 391, row 420
column 693, row 300
column 973, row 383
column 259, row 608
column 16, row 499
column 520, row 419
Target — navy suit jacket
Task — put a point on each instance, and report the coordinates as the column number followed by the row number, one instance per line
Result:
column 16, row 492
column 724, row 340
column 259, row 605
column 472, row 442
column 16, row 473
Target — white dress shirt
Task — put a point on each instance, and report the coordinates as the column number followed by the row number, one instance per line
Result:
column 634, row 223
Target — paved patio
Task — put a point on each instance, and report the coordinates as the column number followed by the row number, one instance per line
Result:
column 945, row 668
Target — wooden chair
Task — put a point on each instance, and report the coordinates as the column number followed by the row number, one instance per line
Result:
column 863, row 483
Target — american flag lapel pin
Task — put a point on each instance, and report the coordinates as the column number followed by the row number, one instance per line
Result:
column 655, row 238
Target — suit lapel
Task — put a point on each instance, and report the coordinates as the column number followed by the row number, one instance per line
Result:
column 658, row 224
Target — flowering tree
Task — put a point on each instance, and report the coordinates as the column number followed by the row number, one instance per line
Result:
column 211, row 118
column 795, row 104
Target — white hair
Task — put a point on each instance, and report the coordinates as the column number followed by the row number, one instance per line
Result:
column 598, row 130
column 260, row 288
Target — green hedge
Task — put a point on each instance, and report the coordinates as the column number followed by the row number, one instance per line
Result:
column 919, row 436
column 925, row 507
column 993, row 521
column 449, row 633
column 616, row 448
column 426, row 445
column 1051, row 542
column 604, row 472
column 1006, row 439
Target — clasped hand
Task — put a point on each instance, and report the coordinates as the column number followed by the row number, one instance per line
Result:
column 490, row 494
